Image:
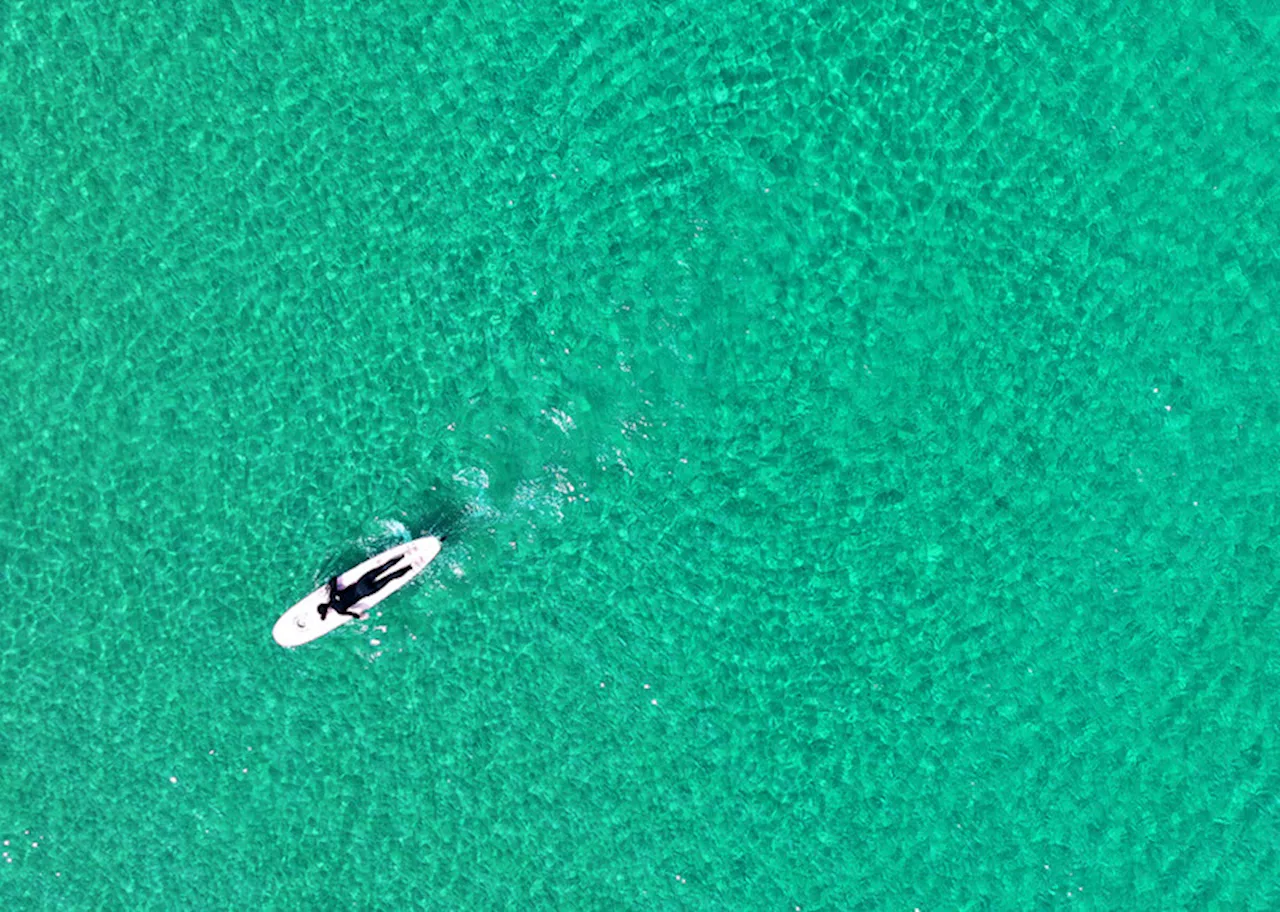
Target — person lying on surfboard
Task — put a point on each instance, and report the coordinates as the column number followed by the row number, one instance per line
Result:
column 342, row 600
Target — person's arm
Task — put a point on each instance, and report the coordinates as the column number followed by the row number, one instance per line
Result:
column 328, row 604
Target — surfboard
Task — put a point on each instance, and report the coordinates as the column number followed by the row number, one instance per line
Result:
column 302, row 623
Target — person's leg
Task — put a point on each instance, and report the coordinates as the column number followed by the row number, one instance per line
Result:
column 368, row 585
column 376, row 570
column 390, row 576
column 371, row 583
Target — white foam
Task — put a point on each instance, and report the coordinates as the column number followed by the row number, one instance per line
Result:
column 560, row 419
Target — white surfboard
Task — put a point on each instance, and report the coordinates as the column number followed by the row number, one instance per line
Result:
column 302, row 623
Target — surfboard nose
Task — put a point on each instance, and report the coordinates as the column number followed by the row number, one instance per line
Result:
column 277, row 634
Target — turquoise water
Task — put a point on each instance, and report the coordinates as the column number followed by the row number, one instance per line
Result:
column 855, row 426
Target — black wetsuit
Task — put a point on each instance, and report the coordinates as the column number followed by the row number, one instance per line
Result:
column 341, row 600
